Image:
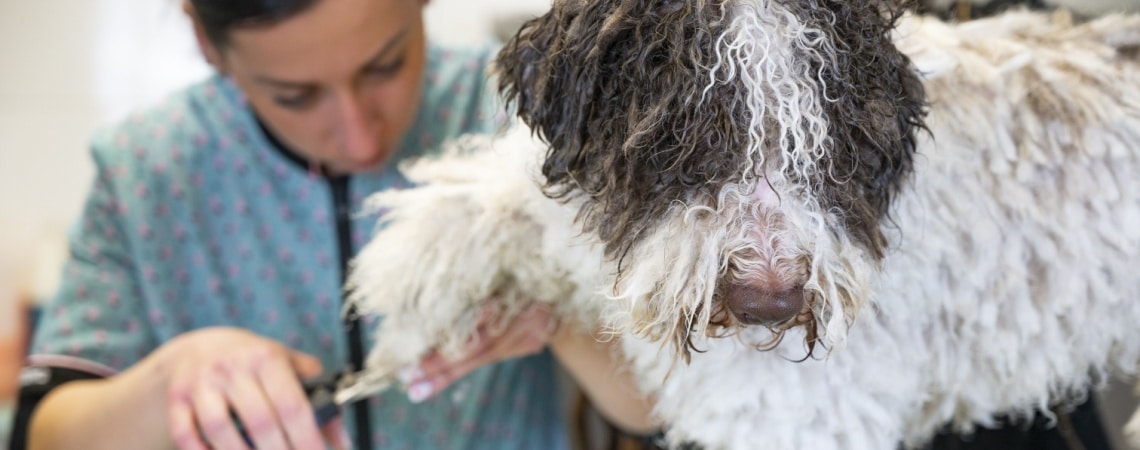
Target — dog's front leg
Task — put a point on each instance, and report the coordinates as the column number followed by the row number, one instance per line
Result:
column 475, row 233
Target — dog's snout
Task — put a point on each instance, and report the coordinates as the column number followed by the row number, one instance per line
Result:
column 754, row 306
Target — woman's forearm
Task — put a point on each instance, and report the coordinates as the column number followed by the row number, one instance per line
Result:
column 124, row 411
column 598, row 371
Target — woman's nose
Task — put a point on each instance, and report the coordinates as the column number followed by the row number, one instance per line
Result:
column 359, row 130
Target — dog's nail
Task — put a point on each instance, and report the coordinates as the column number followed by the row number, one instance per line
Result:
column 419, row 391
column 409, row 374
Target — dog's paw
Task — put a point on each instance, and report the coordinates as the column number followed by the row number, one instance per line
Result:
column 443, row 249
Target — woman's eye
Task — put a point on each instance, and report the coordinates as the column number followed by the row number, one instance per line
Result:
column 387, row 70
column 295, row 101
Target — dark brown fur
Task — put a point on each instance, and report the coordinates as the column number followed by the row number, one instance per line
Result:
column 612, row 85
column 877, row 106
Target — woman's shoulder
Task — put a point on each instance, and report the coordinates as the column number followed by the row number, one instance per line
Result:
column 458, row 97
column 456, row 74
column 184, row 127
column 452, row 58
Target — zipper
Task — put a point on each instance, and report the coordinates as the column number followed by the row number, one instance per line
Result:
column 341, row 207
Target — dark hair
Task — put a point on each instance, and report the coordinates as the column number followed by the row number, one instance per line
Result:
column 219, row 17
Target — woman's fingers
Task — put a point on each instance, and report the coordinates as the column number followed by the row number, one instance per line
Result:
column 526, row 334
column 257, row 416
column 214, row 419
column 431, row 384
column 227, row 381
column 336, row 434
column 183, row 428
column 291, row 407
column 306, row 366
column 253, row 388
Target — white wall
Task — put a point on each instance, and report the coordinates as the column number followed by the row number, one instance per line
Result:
column 467, row 21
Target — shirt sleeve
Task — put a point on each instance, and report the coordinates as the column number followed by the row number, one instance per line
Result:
column 97, row 313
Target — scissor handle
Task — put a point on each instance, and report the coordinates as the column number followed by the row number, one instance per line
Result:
column 320, row 391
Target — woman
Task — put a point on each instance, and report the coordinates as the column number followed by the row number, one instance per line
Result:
column 206, row 270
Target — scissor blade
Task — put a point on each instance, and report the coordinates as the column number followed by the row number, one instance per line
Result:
column 355, row 386
column 322, row 396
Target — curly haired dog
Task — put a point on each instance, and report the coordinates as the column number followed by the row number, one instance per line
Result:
column 812, row 224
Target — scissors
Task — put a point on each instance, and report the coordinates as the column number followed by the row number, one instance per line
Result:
column 322, row 394
column 327, row 395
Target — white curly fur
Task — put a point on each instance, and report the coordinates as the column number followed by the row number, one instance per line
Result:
column 1010, row 284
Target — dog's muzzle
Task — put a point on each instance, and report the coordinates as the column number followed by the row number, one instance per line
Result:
column 754, row 306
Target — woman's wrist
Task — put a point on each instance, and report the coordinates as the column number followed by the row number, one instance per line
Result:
column 597, row 368
column 93, row 414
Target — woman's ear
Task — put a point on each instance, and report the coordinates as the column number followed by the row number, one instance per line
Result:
column 209, row 50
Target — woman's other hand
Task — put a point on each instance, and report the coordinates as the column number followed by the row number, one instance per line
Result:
column 186, row 394
column 526, row 334
column 216, row 372
column 592, row 363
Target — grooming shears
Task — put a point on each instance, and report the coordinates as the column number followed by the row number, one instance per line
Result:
column 327, row 394
column 322, row 394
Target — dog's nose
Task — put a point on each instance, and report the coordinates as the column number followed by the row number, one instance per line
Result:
column 762, row 307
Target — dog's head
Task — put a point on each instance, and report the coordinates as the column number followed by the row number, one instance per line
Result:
column 736, row 158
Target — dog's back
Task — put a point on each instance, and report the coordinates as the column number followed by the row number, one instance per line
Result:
column 1019, row 239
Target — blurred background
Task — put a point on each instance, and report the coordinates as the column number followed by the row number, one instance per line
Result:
column 68, row 67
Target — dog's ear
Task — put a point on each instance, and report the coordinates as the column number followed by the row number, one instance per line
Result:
column 525, row 65
column 549, row 70
column 621, row 91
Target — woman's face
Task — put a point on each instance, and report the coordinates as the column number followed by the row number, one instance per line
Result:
column 339, row 83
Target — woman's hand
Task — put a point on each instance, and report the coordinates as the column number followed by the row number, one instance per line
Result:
column 182, row 395
column 527, row 334
column 594, row 364
column 214, row 372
